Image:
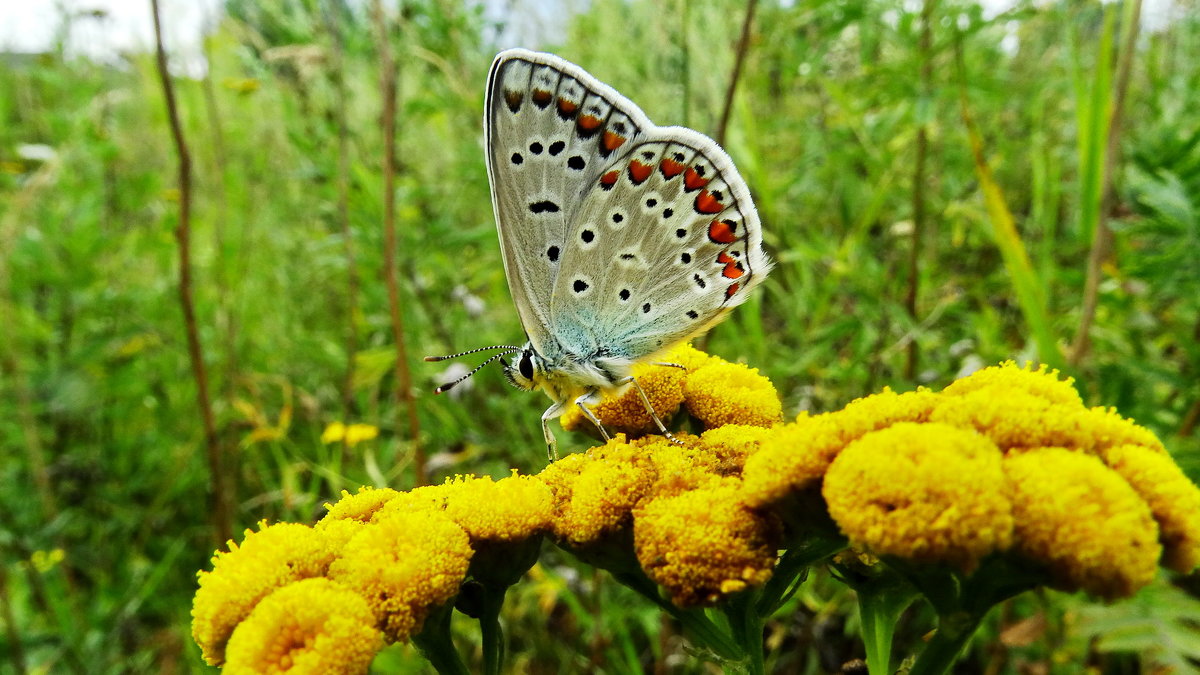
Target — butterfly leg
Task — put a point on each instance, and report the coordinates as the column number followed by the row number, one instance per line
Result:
column 582, row 402
column 662, row 428
column 668, row 364
column 551, row 445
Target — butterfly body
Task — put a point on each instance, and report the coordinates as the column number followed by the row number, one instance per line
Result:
column 620, row 238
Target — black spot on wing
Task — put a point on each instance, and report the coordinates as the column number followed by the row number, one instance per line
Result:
column 576, row 162
column 545, row 206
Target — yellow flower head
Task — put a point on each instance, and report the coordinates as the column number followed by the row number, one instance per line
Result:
column 510, row 509
column 404, row 565
column 625, row 412
column 721, row 393
column 792, row 457
column 310, row 626
column 595, row 492
column 925, row 492
column 361, row 506
column 1013, row 418
column 1108, row 430
column 679, row 468
column 705, row 544
column 879, row 411
column 1042, row 382
column 732, row 444
column 1174, row 501
column 273, row 557
column 1083, row 521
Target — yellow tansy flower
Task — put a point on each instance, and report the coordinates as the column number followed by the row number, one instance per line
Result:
column 879, row 411
column 361, row 506
column 733, row 444
column 266, row 560
column 595, row 494
column 705, row 544
column 721, row 393
column 678, row 468
column 1109, row 430
column 1014, row 418
column 626, row 413
column 512, row 508
column 1173, row 499
column 925, row 492
column 352, row 434
column 1083, row 521
column 311, row 626
column 792, row 457
column 1041, row 382
column 404, row 565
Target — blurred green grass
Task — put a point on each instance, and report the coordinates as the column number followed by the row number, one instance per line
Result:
column 103, row 449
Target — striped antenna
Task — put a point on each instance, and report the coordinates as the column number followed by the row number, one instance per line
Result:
column 446, row 387
column 510, row 349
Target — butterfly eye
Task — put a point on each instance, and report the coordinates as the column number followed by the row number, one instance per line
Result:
column 526, row 366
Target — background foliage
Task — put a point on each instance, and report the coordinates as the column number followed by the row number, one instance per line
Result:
column 104, row 485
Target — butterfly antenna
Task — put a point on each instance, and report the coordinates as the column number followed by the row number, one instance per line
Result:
column 510, row 349
column 446, row 387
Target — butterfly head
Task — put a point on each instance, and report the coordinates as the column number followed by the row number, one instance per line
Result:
column 526, row 369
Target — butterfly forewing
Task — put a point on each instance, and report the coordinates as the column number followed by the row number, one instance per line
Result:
column 551, row 129
column 665, row 241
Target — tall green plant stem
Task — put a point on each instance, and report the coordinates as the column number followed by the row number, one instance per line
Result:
column 1101, row 234
column 695, row 622
column 1026, row 285
column 953, row 633
column 490, row 631
column 436, row 644
column 405, row 402
column 222, row 518
column 924, row 104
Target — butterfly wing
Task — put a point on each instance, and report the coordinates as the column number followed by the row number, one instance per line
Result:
column 664, row 243
column 550, row 128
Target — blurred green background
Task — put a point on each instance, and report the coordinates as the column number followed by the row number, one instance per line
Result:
column 898, row 265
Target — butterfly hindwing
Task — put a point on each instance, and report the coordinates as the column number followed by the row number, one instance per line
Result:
column 550, row 130
column 665, row 241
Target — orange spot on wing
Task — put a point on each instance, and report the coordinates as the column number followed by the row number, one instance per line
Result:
column 566, row 107
column 541, row 97
column 590, row 122
column 721, row 233
column 693, row 180
column 706, row 203
column 513, row 99
column 724, row 258
column 609, row 179
column 612, row 141
column 733, row 270
column 730, row 291
column 670, row 168
column 639, row 172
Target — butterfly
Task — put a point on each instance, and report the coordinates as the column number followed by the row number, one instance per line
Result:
column 620, row 238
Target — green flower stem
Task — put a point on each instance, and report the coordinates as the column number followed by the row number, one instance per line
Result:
column 435, row 643
column 791, row 570
column 695, row 622
column 492, row 634
column 880, row 603
column 953, row 633
column 747, row 626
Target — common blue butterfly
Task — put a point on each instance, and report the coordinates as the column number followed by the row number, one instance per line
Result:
column 620, row 238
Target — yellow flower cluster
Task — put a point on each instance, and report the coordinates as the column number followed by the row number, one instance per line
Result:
column 711, row 389
column 311, row 626
column 692, row 532
column 383, row 558
column 1006, row 459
